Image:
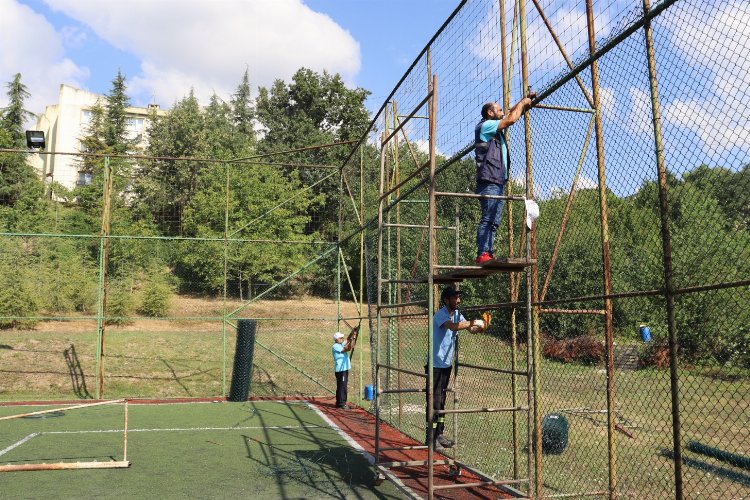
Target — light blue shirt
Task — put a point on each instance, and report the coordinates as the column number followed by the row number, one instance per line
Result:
column 443, row 339
column 488, row 131
column 341, row 361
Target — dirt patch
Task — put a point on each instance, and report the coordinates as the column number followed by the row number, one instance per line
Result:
column 203, row 314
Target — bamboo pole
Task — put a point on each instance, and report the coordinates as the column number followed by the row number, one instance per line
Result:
column 361, row 262
column 103, row 274
column 125, row 437
column 532, row 277
column 226, row 273
column 42, row 412
column 432, row 260
column 607, row 278
column 669, row 288
column 566, row 212
column 65, row 465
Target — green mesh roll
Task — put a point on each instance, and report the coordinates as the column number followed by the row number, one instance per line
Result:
column 554, row 434
column 243, row 360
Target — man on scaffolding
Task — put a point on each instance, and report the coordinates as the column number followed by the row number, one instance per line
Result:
column 446, row 323
column 493, row 162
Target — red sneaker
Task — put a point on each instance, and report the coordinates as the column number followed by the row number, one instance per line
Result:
column 484, row 257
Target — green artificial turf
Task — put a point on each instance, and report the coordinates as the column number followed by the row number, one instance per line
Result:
column 196, row 450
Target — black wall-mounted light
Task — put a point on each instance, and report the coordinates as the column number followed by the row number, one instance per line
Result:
column 35, row 139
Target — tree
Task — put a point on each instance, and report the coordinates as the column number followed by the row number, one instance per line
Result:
column 313, row 109
column 243, row 113
column 17, row 178
column 115, row 126
column 165, row 187
column 14, row 115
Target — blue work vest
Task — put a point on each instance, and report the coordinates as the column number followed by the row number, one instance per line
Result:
column 491, row 165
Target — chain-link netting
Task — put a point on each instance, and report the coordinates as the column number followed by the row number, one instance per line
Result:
column 132, row 283
column 672, row 94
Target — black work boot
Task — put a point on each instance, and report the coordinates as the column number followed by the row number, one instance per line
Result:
column 444, row 441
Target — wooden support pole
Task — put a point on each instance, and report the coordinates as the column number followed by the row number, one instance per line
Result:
column 9, row 417
column 63, row 465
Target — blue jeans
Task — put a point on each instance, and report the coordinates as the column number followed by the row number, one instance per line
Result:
column 490, row 218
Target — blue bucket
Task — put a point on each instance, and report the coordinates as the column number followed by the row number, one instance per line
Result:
column 369, row 392
column 645, row 333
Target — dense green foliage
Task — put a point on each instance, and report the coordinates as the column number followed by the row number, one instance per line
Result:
column 177, row 208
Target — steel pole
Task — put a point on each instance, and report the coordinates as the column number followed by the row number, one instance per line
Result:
column 607, row 278
column 666, row 241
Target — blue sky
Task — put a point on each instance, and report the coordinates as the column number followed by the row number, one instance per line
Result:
column 165, row 47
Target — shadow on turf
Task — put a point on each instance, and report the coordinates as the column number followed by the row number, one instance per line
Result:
column 329, row 467
column 77, row 377
column 726, row 473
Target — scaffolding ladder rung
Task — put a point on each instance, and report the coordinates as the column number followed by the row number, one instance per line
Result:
column 483, row 410
column 494, row 266
column 479, row 484
column 380, row 366
column 406, row 282
column 416, row 303
column 399, row 391
column 496, row 370
column 480, row 196
column 419, row 226
column 398, row 448
column 412, row 463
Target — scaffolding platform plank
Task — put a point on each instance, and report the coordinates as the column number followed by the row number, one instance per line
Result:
column 494, row 266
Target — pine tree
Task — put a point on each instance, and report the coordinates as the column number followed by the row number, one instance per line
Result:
column 116, row 131
column 14, row 115
column 17, row 178
column 243, row 113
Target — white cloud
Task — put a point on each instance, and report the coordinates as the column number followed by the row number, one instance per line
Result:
column 719, row 119
column 207, row 45
column 608, row 102
column 568, row 21
column 583, row 183
column 32, row 47
column 640, row 119
column 712, row 127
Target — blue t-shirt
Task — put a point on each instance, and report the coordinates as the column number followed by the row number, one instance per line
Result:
column 341, row 361
column 488, row 131
column 443, row 339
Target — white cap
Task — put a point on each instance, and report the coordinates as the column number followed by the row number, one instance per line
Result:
column 338, row 335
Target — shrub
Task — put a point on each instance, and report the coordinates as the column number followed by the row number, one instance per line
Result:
column 656, row 355
column 155, row 298
column 17, row 302
column 19, row 297
column 120, row 305
column 584, row 349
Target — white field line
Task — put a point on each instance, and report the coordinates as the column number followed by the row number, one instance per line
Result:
column 399, row 484
column 136, row 403
column 19, row 443
column 188, row 429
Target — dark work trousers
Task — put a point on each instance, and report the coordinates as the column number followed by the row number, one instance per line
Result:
column 440, row 379
column 342, row 380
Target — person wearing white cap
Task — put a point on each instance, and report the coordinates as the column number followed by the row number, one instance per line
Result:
column 341, row 366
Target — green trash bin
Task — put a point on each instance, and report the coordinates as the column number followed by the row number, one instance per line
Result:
column 554, row 434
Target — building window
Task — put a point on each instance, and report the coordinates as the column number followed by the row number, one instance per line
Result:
column 86, row 116
column 84, row 178
column 135, row 125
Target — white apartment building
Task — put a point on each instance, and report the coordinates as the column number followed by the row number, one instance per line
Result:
column 65, row 123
